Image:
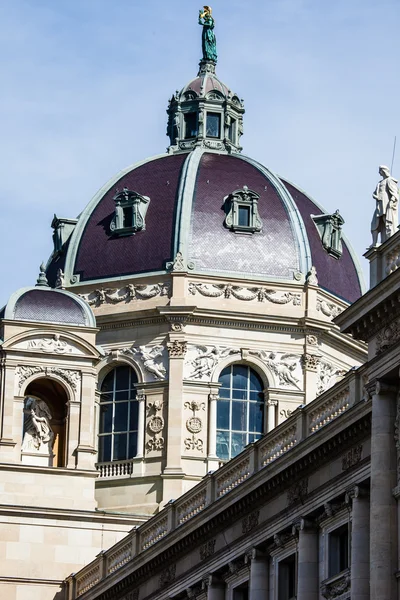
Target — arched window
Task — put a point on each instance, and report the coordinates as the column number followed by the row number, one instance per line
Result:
column 240, row 410
column 118, row 415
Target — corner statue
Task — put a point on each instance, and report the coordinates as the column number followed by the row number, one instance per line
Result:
column 209, row 42
column 386, row 195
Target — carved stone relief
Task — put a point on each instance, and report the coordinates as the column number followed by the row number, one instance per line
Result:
column 250, row 521
column 201, row 360
column 126, row 294
column 327, row 376
column 297, row 492
column 194, row 425
column 351, row 458
column 71, row 377
column 311, row 362
column 167, row 576
column 207, row 549
column 336, row 588
column 155, row 426
column 177, row 349
column 243, row 293
column 328, row 308
column 388, row 336
column 53, row 345
column 285, row 366
column 151, row 358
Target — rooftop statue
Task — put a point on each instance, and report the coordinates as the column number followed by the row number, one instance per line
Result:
column 384, row 220
column 209, row 43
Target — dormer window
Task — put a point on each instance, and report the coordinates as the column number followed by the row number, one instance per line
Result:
column 241, row 209
column 330, row 231
column 213, row 125
column 130, row 213
column 190, row 125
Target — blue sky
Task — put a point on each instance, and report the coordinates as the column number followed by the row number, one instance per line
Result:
column 85, row 86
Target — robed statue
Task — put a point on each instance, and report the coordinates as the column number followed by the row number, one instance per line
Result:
column 386, row 195
column 209, row 43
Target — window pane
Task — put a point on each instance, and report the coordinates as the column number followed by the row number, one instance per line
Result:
column 132, row 447
column 122, row 396
column 232, row 131
column 224, row 393
column 253, row 437
column 239, row 416
column 108, row 382
column 223, row 414
column 244, row 216
column 223, row 445
column 120, row 440
column 105, row 448
column 128, row 216
column 121, row 416
column 256, row 417
column 107, row 397
column 213, row 125
column 255, row 381
column 133, row 420
column 122, row 378
column 239, row 394
column 238, row 443
column 225, row 378
column 256, row 396
column 190, row 125
column 240, row 377
column 106, row 418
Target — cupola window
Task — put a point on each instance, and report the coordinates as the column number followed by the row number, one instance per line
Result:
column 232, row 131
column 241, row 209
column 240, row 410
column 190, row 125
column 130, row 213
column 118, row 415
column 213, row 125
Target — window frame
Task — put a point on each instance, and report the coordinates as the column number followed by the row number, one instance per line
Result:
column 132, row 402
column 219, row 115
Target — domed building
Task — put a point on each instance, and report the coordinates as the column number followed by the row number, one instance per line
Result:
column 184, row 314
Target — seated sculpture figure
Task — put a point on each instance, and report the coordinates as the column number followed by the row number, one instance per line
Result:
column 384, row 220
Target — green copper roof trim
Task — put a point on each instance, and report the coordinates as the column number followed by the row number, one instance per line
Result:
column 344, row 237
column 70, row 278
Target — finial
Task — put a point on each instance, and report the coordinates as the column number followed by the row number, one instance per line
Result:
column 209, row 42
column 42, row 279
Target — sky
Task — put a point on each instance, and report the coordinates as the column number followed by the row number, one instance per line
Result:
column 85, row 87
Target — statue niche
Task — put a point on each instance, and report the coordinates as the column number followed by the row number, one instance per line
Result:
column 38, row 435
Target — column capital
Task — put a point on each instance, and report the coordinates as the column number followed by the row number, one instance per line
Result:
column 255, row 554
column 304, row 524
column 212, row 580
column 177, row 349
column 356, row 492
column 382, row 387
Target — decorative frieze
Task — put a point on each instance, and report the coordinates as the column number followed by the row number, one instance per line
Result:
column 351, row 458
column 201, row 360
column 250, row 521
column 247, row 294
column 207, row 549
column 53, row 345
column 177, row 349
column 297, row 492
column 126, row 293
column 388, row 336
column 71, row 377
column 167, row 576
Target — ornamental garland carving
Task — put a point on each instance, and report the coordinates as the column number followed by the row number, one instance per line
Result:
column 71, row 377
column 151, row 358
column 283, row 366
column 155, row 426
column 194, row 425
column 328, row 308
column 202, row 360
column 126, row 294
column 243, row 293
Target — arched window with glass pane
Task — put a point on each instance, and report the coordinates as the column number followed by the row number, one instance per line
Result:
column 118, row 415
column 240, row 410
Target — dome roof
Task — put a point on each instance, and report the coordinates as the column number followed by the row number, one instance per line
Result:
column 186, row 195
column 205, row 83
column 46, row 305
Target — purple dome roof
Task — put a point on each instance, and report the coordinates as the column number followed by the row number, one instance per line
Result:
column 185, row 213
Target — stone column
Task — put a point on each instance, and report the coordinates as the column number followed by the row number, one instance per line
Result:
column 271, row 413
column 141, row 399
column 383, row 522
column 212, row 426
column 359, row 543
column 307, row 562
column 259, row 570
column 215, row 588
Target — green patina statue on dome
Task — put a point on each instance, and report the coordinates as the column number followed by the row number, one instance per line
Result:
column 209, row 42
